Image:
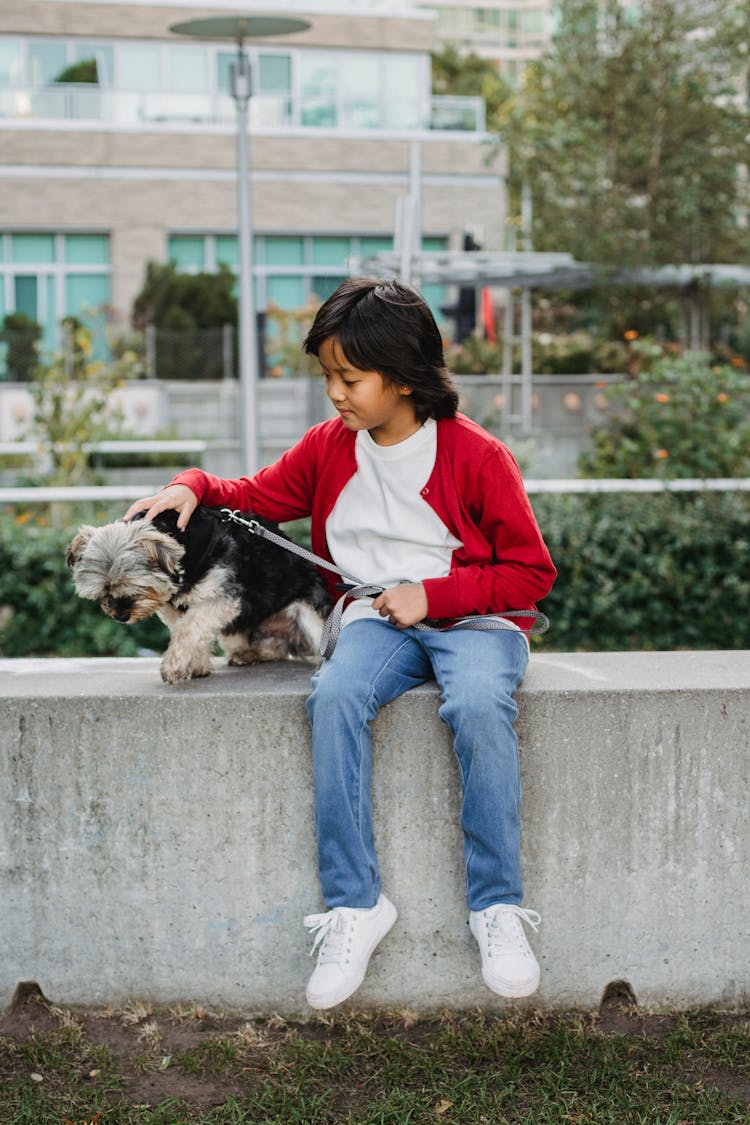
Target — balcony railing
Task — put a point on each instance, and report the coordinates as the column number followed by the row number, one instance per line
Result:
column 268, row 113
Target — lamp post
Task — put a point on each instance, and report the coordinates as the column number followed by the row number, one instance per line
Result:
column 239, row 28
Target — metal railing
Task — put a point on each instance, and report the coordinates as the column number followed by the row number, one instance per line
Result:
column 80, row 102
column 46, row 495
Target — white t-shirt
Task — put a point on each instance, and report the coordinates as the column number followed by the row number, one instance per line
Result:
column 381, row 529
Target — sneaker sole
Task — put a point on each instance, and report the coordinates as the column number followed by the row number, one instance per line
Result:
column 511, row 992
column 321, row 1004
column 515, row 991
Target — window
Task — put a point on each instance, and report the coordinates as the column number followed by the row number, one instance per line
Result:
column 361, row 87
column 165, row 81
column 187, row 70
column 49, row 276
column 317, row 89
column 47, row 57
column 138, row 67
column 11, row 62
column 291, row 270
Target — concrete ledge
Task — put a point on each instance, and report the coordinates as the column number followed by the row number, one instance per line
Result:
column 158, row 842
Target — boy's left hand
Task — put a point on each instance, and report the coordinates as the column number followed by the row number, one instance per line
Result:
column 402, row 605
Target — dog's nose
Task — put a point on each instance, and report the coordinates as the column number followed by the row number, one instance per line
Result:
column 123, row 616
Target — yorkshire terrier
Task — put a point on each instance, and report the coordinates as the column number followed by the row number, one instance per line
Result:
column 213, row 582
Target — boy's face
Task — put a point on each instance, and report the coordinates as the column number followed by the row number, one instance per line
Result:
column 367, row 400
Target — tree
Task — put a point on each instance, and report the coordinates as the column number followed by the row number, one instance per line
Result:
column 189, row 311
column 631, row 132
column 472, row 76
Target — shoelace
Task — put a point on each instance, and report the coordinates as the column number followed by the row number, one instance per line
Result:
column 504, row 928
column 331, row 931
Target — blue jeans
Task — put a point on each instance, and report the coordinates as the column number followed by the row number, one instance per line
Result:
column 477, row 674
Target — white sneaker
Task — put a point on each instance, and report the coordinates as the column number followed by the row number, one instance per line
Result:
column 508, row 965
column 347, row 937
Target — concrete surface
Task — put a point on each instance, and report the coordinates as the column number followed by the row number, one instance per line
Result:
column 157, row 842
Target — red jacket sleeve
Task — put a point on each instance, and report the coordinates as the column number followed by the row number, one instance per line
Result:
column 504, row 562
column 282, row 491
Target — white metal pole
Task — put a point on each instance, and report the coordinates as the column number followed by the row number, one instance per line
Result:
column 248, row 349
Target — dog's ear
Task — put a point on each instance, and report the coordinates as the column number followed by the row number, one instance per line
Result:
column 77, row 543
column 161, row 550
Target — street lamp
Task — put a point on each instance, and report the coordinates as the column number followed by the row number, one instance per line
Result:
column 238, row 29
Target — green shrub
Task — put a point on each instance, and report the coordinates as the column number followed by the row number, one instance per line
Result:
column 680, row 417
column 21, row 336
column 40, row 613
column 654, row 571
column 648, row 571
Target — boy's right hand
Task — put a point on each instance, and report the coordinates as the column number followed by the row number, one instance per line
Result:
column 178, row 497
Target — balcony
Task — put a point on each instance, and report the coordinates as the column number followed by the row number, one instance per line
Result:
column 87, row 105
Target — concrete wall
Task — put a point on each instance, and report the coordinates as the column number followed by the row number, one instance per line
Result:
column 158, row 842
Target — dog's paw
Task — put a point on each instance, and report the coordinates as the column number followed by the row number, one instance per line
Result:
column 175, row 671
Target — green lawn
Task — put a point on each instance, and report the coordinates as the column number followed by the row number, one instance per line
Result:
column 136, row 1066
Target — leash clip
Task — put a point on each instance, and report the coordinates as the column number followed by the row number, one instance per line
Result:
column 234, row 515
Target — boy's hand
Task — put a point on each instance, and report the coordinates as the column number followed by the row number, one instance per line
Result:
column 402, row 605
column 176, row 496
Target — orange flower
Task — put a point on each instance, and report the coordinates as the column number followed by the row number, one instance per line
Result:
column 661, row 397
column 737, row 361
column 631, row 334
column 722, row 397
column 660, row 454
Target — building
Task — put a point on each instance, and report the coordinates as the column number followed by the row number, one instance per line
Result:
column 118, row 144
column 510, row 33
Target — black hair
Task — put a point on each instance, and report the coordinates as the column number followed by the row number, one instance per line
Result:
column 387, row 326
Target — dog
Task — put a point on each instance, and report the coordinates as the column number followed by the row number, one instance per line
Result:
column 213, row 582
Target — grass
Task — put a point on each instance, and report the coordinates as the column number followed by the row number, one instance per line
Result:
column 621, row 1068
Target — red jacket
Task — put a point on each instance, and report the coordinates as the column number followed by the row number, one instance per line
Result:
column 475, row 488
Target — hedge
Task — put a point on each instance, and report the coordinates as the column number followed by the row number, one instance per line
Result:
column 636, row 571
column 648, row 570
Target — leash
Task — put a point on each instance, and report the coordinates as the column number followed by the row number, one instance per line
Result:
column 359, row 589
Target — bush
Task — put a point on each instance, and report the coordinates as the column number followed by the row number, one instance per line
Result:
column 21, row 335
column 656, row 571
column 40, row 613
column 679, row 417
column 648, row 571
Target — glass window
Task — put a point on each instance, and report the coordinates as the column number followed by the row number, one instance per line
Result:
column 33, row 247
column 285, row 251
column 224, row 60
column 370, row 245
column 46, row 60
column 330, row 251
column 317, row 88
column 433, row 243
column 286, row 292
column 322, row 287
column 404, row 84
column 187, row 251
column 228, row 251
column 25, row 295
column 274, row 73
column 435, row 296
column 11, row 62
column 360, row 90
column 104, row 56
column 187, row 70
column 532, row 22
column 139, row 67
column 47, row 316
column 84, row 293
column 88, row 249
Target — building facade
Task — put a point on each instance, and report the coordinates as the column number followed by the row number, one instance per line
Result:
column 118, row 143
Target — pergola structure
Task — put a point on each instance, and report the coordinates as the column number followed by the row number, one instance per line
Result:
column 521, row 271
